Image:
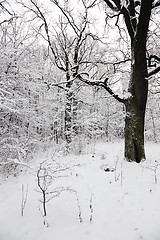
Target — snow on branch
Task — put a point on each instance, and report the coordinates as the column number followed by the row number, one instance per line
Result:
column 103, row 84
column 122, row 7
column 112, row 5
column 124, row 3
column 152, row 62
column 156, row 3
column 156, row 70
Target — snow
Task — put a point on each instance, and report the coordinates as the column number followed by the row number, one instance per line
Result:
column 155, row 2
column 104, row 197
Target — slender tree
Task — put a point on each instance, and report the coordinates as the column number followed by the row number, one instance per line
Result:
column 68, row 41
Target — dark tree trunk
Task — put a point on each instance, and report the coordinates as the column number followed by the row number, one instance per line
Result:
column 134, row 132
column 136, row 105
column 137, row 24
column 138, row 88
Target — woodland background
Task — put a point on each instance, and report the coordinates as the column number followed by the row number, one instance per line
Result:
column 39, row 106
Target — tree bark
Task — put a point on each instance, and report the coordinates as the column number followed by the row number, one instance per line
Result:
column 68, row 117
column 134, row 132
column 136, row 104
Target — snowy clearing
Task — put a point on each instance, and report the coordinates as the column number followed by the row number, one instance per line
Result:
column 100, row 196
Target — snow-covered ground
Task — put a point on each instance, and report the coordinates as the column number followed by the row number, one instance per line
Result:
column 102, row 197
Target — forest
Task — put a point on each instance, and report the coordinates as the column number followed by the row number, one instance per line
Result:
column 79, row 108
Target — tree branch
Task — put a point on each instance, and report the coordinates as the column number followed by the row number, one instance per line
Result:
column 102, row 84
column 117, row 6
column 1, row 5
column 4, row 21
column 156, row 4
column 111, row 5
column 106, row 63
column 156, row 70
column 143, row 22
column 153, row 57
column 150, row 64
column 128, row 23
column 47, row 33
column 132, row 12
column 68, row 16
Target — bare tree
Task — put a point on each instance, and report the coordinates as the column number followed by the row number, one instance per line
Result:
column 133, row 21
column 136, row 18
column 69, row 41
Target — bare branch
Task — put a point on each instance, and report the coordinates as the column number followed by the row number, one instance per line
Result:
column 102, row 84
column 156, row 70
column 128, row 22
column 92, row 4
column 41, row 15
column 132, row 12
column 143, row 23
column 68, row 16
column 155, row 59
column 156, row 4
column 4, row 8
column 4, row 21
column 106, row 63
column 111, row 5
column 117, row 6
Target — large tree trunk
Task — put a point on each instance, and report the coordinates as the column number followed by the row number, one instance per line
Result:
column 134, row 132
column 136, row 18
column 136, row 106
column 138, row 88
